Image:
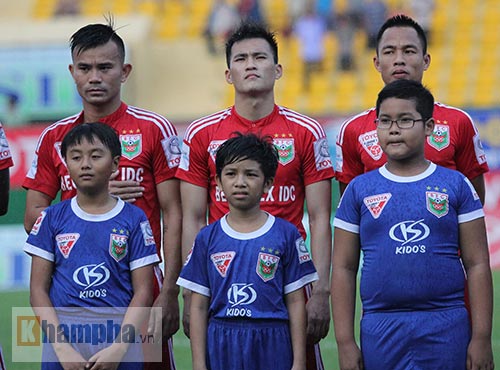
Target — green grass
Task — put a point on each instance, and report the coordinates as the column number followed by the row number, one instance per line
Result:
column 181, row 343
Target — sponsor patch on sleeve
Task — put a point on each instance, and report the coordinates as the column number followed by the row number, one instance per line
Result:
column 147, row 233
column 322, row 154
column 302, row 250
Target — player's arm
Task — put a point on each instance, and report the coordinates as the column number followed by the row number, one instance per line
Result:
column 194, row 217
column 40, row 280
column 475, row 256
column 478, row 183
column 4, row 191
column 36, row 202
column 198, row 329
column 135, row 317
column 170, row 203
column 345, row 263
column 318, row 201
column 127, row 190
column 295, row 304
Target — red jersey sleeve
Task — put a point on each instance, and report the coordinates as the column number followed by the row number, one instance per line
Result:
column 470, row 157
column 42, row 176
column 348, row 162
column 5, row 154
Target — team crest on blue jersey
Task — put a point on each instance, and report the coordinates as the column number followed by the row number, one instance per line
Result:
column 131, row 145
column 285, row 148
column 267, row 265
column 440, row 137
column 118, row 246
column 66, row 242
column 222, row 260
column 376, row 203
column 437, row 203
column 302, row 250
column 369, row 142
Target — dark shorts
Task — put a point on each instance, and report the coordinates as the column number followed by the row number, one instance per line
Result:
column 435, row 339
column 248, row 345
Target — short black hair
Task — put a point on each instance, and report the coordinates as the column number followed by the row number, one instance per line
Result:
column 90, row 131
column 251, row 30
column 409, row 90
column 402, row 20
column 248, row 146
column 94, row 35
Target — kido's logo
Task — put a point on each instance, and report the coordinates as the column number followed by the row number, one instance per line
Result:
column 240, row 295
column 409, row 233
column 92, row 276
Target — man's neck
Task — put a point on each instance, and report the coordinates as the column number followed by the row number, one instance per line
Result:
column 93, row 113
column 254, row 108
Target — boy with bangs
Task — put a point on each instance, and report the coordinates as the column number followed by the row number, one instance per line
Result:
column 91, row 255
column 246, row 272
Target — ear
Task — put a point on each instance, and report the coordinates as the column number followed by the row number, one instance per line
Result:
column 429, row 126
column 376, row 63
column 227, row 74
column 268, row 184
column 218, row 182
column 71, row 69
column 279, row 71
column 116, row 162
column 427, row 61
column 126, row 69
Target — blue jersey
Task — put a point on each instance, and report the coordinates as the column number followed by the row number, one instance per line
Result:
column 248, row 274
column 93, row 255
column 409, row 236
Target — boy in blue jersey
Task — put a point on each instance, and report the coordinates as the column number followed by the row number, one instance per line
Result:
column 92, row 257
column 410, row 218
column 246, row 272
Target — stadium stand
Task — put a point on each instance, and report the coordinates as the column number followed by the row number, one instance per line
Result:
column 465, row 55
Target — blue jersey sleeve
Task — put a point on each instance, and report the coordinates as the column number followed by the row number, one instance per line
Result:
column 348, row 215
column 469, row 206
column 194, row 274
column 40, row 241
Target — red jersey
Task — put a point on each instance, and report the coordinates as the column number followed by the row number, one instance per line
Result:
column 5, row 154
column 454, row 144
column 150, row 155
column 303, row 158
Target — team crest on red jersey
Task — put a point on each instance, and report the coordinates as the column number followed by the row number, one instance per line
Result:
column 286, row 149
column 131, row 145
column 118, row 246
column 437, row 203
column 66, row 242
column 376, row 203
column 267, row 265
column 222, row 260
column 440, row 138
column 369, row 142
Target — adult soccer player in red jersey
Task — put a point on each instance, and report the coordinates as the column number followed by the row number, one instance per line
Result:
column 304, row 172
column 455, row 143
column 146, row 174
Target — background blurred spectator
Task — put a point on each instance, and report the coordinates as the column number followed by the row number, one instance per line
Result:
column 222, row 20
column 422, row 11
column 374, row 15
column 310, row 29
column 250, row 10
column 67, row 7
